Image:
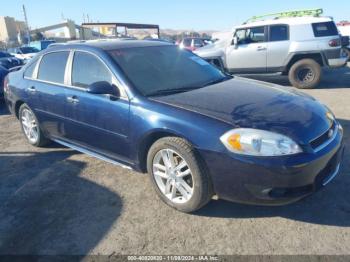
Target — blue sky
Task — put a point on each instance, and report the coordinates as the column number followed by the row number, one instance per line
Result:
column 180, row 14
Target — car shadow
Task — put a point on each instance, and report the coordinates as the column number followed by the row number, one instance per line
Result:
column 47, row 207
column 330, row 206
column 332, row 78
column 3, row 108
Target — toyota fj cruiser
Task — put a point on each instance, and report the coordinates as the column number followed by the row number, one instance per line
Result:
column 297, row 44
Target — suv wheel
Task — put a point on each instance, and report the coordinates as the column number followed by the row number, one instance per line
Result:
column 178, row 175
column 30, row 127
column 305, row 73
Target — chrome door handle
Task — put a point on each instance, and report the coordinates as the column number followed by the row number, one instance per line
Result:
column 72, row 99
column 31, row 89
column 261, row 48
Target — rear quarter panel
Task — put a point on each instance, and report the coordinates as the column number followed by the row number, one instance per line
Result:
column 17, row 86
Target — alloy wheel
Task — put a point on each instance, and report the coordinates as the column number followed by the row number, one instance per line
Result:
column 305, row 75
column 173, row 176
column 30, row 125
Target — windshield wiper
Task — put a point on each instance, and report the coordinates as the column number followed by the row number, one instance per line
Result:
column 187, row 88
column 173, row 90
column 216, row 81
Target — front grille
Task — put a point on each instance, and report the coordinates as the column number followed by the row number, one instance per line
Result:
column 319, row 141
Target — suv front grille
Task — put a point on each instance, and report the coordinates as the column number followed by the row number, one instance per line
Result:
column 319, row 141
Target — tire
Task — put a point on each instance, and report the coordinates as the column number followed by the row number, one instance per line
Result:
column 305, row 74
column 39, row 140
column 198, row 178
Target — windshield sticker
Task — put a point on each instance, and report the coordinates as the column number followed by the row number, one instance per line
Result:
column 199, row 60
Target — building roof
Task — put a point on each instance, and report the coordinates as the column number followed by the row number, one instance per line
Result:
column 127, row 25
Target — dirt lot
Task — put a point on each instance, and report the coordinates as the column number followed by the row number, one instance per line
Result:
column 58, row 201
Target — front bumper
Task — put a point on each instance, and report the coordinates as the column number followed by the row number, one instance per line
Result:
column 273, row 180
column 335, row 57
column 338, row 62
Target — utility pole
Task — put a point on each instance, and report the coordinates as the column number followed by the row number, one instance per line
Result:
column 26, row 21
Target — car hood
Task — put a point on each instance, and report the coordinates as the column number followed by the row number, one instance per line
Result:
column 254, row 104
column 213, row 50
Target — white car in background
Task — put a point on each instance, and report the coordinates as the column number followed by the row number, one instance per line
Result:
column 24, row 52
column 344, row 30
column 295, row 46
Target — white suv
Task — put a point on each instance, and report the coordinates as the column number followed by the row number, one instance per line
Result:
column 297, row 46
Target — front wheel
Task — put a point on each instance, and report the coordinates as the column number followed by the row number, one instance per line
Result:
column 178, row 174
column 30, row 127
column 305, row 74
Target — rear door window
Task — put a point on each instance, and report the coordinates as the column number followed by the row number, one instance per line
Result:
column 30, row 70
column 325, row 29
column 187, row 42
column 198, row 43
column 88, row 69
column 279, row 33
column 52, row 67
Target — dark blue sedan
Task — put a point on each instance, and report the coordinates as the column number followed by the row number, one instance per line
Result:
column 3, row 73
column 9, row 61
column 155, row 108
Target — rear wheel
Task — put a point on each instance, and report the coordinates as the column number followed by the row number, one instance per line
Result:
column 178, row 174
column 305, row 74
column 30, row 127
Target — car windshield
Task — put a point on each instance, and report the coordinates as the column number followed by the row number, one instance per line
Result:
column 29, row 49
column 162, row 70
column 5, row 54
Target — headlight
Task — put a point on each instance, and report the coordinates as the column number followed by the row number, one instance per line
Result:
column 256, row 142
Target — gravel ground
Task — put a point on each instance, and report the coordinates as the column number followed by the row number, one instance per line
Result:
column 58, row 201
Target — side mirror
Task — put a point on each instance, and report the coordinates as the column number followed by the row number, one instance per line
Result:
column 103, row 88
column 235, row 41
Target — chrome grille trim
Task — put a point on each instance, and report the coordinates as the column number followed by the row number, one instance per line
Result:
column 333, row 175
column 329, row 140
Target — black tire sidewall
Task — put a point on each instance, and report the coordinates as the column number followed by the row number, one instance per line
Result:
column 201, row 191
column 305, row 63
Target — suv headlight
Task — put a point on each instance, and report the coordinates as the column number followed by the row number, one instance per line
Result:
column 255, row 142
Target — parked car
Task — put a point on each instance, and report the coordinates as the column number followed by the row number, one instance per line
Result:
column 153, row 107
column 8, row 61
column 24, row 52
column 346, row 46
column 344, row 29
column 295, row 46
column 167, row 40
column 42, row 44
column 3, row 73
column 193, row 43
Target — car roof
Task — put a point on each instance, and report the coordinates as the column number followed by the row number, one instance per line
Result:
column 288, row 20
column 110, row 44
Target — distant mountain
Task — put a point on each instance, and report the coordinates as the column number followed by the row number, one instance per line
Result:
column 185, row 31
column 173, row 33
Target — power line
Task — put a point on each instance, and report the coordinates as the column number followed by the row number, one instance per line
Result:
column 26, row 21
